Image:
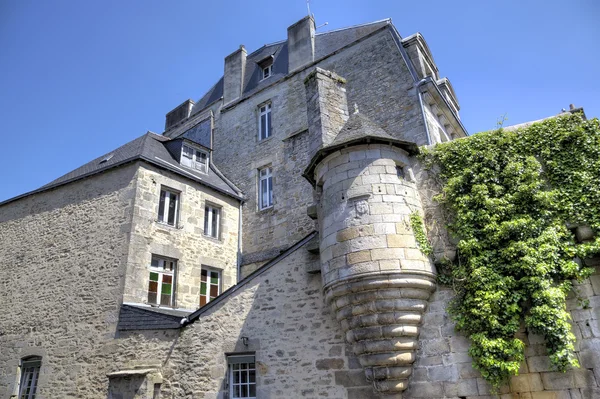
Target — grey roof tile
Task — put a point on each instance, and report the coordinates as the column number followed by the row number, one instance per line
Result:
column 133, row 317
column 151, row 148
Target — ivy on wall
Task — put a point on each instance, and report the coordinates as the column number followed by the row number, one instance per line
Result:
column 512, row 198
column 416, row 223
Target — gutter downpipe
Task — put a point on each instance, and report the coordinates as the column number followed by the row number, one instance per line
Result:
column 239, row 249
column 398, row 40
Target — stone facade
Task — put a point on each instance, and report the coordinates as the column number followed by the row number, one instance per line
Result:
column 335, row 297
column 185, row 242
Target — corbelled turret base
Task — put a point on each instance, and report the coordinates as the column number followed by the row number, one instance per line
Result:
column 380, row 315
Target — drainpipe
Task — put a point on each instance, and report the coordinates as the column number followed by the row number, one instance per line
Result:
column 239, row 249
column 423, row 111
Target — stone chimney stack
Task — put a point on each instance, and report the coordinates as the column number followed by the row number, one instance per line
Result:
column 327, row 107
column 301, row 43
column 233, row 78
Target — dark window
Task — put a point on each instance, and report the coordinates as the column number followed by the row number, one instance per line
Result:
column 30, row 373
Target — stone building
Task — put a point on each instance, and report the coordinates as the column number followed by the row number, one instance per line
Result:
column 261, row 246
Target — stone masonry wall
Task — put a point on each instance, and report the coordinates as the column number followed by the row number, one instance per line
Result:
column 443, row 367
column 378, row 81
column 299, row 348
column 185, row 242
column 63, row 253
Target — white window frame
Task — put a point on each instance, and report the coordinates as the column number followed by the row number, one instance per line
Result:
column 194, row 161
column 265, row 110
column 165, row 267
column 265, row 195
column 267, row 71
column 239, row 364
column 207, row 296
column 212, row 227
column 29, row 378
column 163, row 217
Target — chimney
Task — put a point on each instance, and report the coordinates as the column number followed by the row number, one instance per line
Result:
column 301, row 43
column 326, row 107
column 233, row 78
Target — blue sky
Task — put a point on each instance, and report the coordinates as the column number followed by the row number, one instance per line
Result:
column 80, row 78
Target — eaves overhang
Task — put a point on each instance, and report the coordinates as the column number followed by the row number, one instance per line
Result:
column 308, row 174
column 156, row 162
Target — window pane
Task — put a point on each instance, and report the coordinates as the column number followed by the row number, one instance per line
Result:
column 252, row 391
column 206, row 224
column 165, row 300
column 236, row 391
column 244, row 376
column 215, row 220
column 214, row 277
column 203, row 275
column 153, row 286
column 154, row 262
column 167, row 279
column 161, row 206
column 202, row 300
column 214, row 291
column 270, row 190
column 153, row 276
column 172, row 208
column 152, row 296
column 269, row 123
column 263, row 126
column 203, row 288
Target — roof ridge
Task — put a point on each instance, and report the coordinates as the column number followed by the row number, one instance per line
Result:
column 388, row 20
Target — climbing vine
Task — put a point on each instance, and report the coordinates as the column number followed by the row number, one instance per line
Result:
column 416, row 222
column 513, row 198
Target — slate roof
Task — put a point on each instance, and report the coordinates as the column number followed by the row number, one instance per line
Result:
column 358, row 129
column 133, row 317
column 326, row 43
column 151, row 148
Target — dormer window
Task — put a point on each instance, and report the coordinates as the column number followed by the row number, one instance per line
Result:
column 266, row 72
column 266, row 67
column 194, row 158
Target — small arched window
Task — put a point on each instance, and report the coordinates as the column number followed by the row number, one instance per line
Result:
column 30, row 373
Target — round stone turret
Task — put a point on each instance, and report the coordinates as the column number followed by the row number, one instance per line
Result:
column 375, row 277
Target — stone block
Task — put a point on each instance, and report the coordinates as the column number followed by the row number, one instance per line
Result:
column 401, row 241
column 467, row 387
column 389, row 265
column 329, row 364
column 359, row 257
column 526, row 383
column 576, row 378
column 537, row 364
column 443, row 373
column 387, row 253
column 352, row 378
column 425, row 390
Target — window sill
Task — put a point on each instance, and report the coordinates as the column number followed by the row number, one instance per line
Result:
column 265, row 140
column 213, row 239
column 169, row 226
column 269, row 208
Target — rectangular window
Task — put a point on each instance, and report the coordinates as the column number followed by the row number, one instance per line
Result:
column 264, row 129
column 168, row 207
column 267, row 71
column 242, row 376
column 210, row 285
column 161, row 284
column 212, row 220
column 265, row 188
column 30, row 373
column 194, row 158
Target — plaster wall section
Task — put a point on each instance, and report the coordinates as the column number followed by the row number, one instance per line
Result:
column 186, row 241
column 64, row 253
column 378, row 81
